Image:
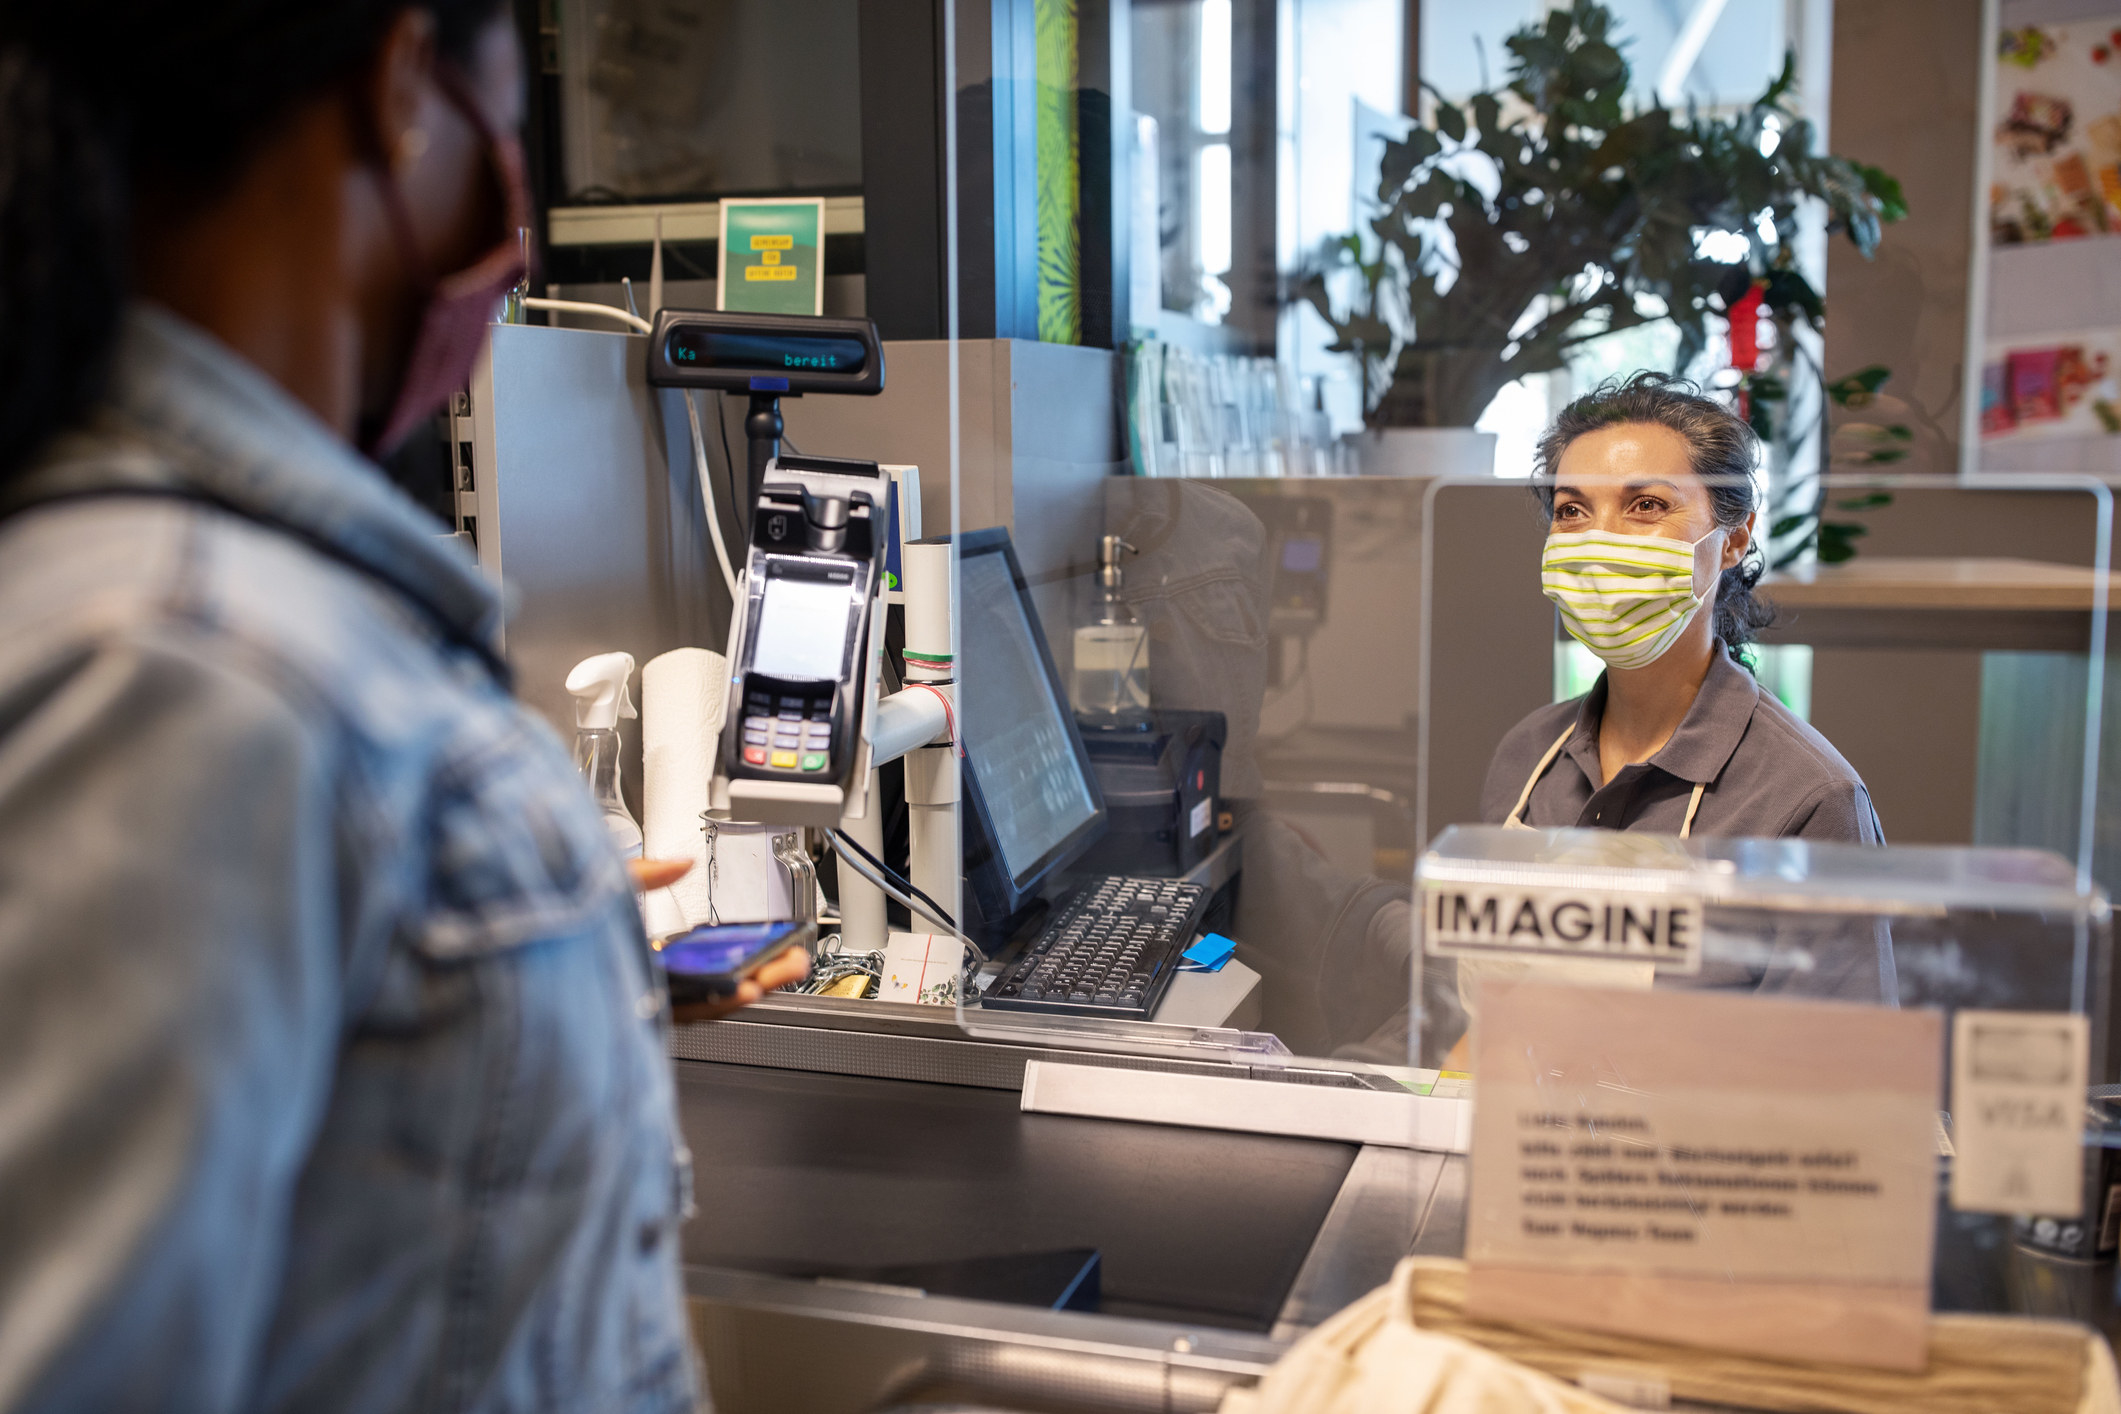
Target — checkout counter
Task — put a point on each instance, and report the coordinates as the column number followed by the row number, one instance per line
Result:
column 904, row 1205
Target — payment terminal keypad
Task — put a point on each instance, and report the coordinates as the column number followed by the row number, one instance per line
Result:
column 1110, row 949
column 788, row 733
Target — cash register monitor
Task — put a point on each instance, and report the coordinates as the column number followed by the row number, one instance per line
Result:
column 1035, row 805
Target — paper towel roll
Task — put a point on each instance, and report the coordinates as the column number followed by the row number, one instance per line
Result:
column 734, row 877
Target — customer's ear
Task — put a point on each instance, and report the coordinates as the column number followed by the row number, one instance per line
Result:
column 393, row 90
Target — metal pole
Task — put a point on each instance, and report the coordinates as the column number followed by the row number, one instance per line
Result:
column 931, row 772
column 762, row 425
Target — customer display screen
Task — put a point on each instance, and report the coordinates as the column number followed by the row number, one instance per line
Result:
column 692, row 346
column 802, row 628
column 1017, row 729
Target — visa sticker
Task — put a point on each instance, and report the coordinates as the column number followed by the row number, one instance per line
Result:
column 2018, row 1083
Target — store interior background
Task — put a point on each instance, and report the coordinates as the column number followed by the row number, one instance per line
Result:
column 1020, row 411
column 1959, row 742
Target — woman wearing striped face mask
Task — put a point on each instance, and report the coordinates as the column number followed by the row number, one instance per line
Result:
column 1651, row 561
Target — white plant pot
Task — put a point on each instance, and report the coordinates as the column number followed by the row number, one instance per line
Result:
column 1424, row 451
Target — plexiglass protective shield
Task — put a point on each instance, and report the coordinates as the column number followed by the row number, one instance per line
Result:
column 1215, row 732
column 1281, row 751
column 1692, row 960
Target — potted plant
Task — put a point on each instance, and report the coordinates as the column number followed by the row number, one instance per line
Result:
column 1531, row 218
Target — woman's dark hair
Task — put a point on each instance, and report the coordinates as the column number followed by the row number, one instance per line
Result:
column 1722, row 450
column 101, row 100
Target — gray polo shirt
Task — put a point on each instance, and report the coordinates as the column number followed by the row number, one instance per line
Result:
column 1767, row 773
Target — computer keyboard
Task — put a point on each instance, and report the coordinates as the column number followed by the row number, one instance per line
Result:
column 1110, row 949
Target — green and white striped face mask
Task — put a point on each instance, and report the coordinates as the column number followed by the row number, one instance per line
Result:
column 1627, row 598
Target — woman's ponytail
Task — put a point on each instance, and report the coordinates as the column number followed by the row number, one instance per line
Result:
column 63, row 262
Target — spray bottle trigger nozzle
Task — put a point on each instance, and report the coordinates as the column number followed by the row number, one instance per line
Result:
column 599, row 688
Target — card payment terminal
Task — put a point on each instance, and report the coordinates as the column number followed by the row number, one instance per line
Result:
column 801, row 656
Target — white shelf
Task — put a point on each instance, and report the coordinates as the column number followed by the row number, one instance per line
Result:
column 682, row 221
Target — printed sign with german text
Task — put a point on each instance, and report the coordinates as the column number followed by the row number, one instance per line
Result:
column 1748, row 1173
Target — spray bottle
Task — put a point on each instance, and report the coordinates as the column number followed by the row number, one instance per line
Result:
column 600, row 698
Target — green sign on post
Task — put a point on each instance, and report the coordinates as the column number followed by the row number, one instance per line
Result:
column 773, row 257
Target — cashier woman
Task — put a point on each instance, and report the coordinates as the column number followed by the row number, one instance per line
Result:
column 1651, row 561
column 332, row 1065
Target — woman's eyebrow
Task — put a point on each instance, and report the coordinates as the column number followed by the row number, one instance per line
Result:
column 1636, row 488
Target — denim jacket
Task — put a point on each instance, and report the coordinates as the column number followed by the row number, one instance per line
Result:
column 332, row 1064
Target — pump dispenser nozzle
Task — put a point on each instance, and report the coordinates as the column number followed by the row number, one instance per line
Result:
column 599, row 688
column 1109, row 576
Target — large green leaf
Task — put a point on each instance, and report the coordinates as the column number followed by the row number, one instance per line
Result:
column 1451, row 121
column 1892, row 202
column 1858, row 388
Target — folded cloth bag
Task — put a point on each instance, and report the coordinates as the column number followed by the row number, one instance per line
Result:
column 1401, row 1348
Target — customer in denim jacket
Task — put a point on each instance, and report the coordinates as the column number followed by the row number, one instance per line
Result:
column 332, row 1066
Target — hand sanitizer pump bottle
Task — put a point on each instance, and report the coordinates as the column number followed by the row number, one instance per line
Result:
column 598, row 686
column 1111, row 680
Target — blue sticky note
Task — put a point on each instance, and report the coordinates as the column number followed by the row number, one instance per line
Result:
column 1211, row 952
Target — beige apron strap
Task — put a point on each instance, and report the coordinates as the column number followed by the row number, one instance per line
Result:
column 1687, row 826
column 1524, row 796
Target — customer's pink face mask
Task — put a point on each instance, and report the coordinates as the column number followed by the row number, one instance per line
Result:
column 459, row 306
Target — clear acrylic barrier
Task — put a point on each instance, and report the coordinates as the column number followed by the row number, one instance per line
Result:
column 1127, row 194
column 1295, row 608
column 1905, row 926
column 1957, row 659
column 1957, row 662
column 1356, row 648
column 1159, row 370
column 1273, row 762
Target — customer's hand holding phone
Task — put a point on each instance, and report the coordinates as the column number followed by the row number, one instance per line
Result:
column 792, row 965
column 789, row 966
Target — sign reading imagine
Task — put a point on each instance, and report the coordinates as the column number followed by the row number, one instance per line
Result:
column 1479, row 920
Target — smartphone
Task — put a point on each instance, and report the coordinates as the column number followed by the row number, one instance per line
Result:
column 706, row 963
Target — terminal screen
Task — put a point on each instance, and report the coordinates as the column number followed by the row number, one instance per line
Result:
column 691, row 346
column 802, row 629
column 1017, row 730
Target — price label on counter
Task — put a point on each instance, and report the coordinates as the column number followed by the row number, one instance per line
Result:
column 1743, row 1173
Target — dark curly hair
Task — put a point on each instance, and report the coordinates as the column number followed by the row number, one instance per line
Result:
column 1723, row 452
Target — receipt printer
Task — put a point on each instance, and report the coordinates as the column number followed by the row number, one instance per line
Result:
column 803, row 666
column 1162, row 785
